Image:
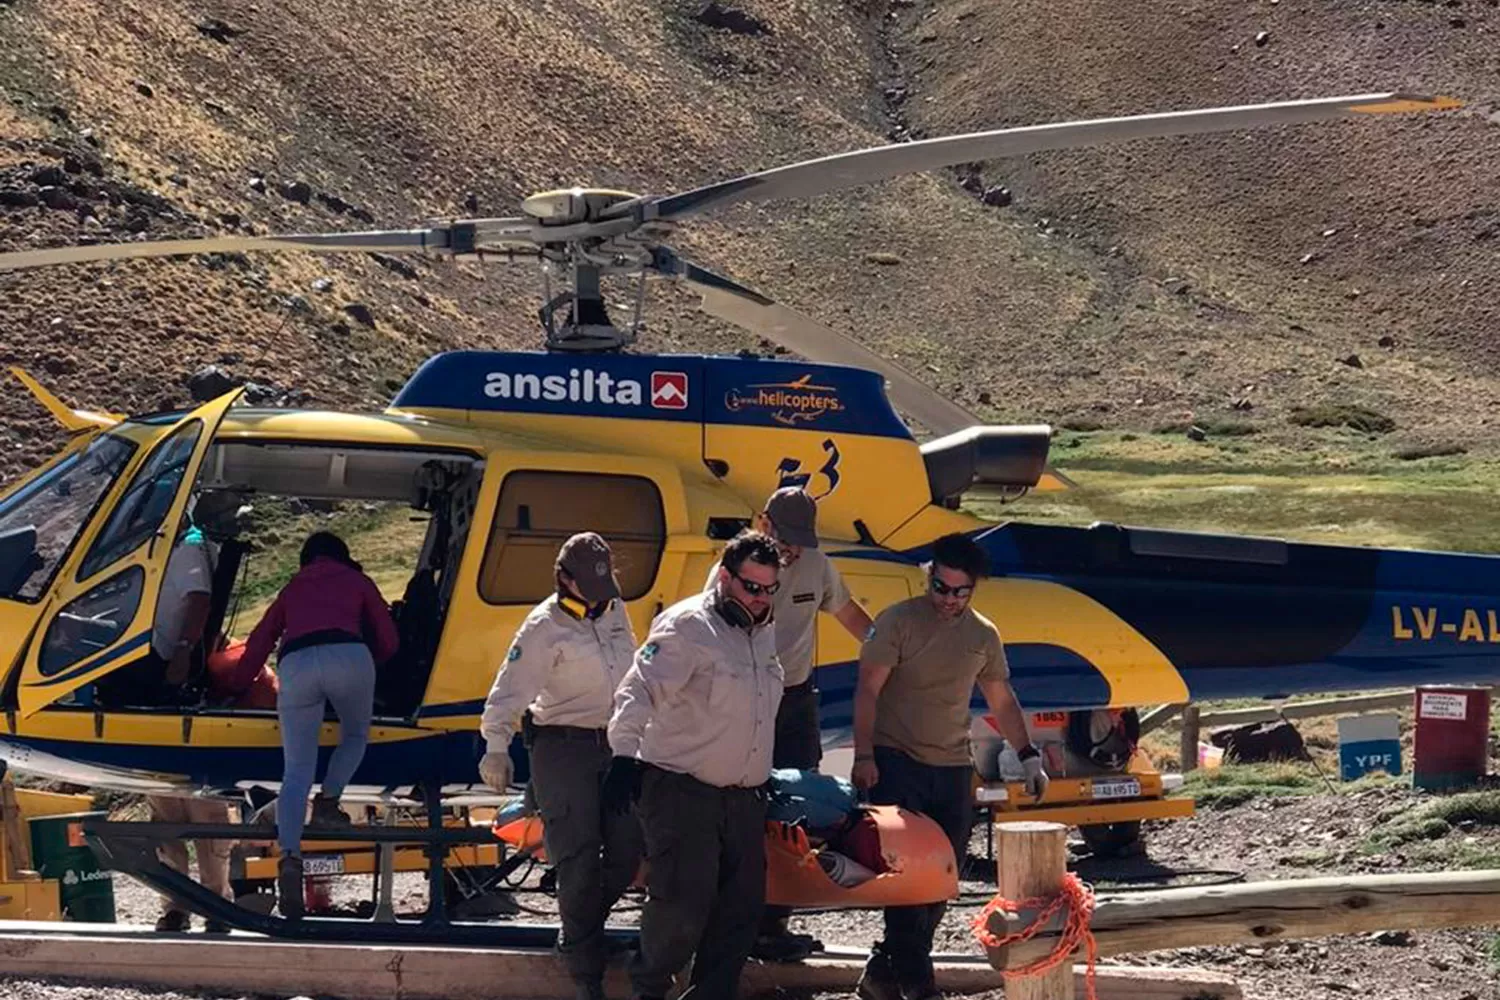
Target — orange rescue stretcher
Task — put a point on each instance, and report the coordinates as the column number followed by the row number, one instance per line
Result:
column 916, row 864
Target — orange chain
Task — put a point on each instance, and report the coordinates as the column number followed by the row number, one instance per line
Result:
column 1079, row 900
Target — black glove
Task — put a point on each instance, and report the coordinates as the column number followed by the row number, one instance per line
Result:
column 622, row 784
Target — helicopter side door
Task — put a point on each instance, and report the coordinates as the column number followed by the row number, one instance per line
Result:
column 529, row 504
column 42, row 516
column 101, row 610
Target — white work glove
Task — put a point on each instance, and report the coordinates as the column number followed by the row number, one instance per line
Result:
column 1036, row 778
column 496, row 769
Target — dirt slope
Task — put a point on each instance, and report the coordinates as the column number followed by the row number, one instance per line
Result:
column 1292, row 247
column 179, row 117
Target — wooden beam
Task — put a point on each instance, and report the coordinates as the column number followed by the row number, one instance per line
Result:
column 1159, row 716
column 1272, row 911
column 109, row 954
column 1308, row 709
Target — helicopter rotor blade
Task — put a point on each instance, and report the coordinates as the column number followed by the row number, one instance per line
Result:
column 867, row 166
column 728, row 300
column 466, row 238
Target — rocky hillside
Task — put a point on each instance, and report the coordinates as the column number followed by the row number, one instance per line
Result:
column 1348, row 263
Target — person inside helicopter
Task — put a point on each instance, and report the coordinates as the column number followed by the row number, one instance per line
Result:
column 174, row 670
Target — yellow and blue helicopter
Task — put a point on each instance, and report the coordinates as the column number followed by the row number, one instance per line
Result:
column 668, row 456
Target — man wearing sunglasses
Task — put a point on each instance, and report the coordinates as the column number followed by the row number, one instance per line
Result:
column 692, row 734
column 809, row 583
column 917, row 671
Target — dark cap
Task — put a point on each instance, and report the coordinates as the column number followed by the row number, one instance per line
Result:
column 586, row 558
column 794, row 517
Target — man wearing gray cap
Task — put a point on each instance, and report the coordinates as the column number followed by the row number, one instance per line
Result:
column 559, row 681
column 809, row 583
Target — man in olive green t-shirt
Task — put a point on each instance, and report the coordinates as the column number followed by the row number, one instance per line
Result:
column 917, row 671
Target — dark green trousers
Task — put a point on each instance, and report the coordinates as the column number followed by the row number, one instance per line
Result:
column 596, row 854
column 706, row 877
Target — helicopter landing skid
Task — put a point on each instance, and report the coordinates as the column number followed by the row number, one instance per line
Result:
column 130, row 848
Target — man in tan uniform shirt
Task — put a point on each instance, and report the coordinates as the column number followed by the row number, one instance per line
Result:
column 917, row 672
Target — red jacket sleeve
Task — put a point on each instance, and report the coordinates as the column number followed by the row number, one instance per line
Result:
column 382, row 627
column 258, row 647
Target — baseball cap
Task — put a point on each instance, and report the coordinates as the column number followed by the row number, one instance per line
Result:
column 586, row 558
column 794, row 517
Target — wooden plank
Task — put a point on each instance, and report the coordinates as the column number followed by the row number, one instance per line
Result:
column 1159, row 716
column 247, row 964
column 1259, row 912
column 1308, row 709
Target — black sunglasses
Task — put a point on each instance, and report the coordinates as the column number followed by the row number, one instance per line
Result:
column 756, row 589
column 940, row 587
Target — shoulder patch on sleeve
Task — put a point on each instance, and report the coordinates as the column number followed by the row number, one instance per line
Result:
column 648, row 651
column 514, row 654
column 870, row 632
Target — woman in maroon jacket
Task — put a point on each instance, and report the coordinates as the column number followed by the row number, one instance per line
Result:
column 334, row 628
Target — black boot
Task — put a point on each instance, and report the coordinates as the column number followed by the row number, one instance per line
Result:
column 289, row 886
column 326, row 812
column 878, row 981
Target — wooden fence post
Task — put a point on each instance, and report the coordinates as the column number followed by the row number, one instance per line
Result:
column 1033, row 860
column 1188, row 749
column 13, row 831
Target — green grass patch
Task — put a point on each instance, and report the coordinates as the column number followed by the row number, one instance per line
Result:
column 1421, row 451
column 1235, row 784
column 1320, row 494
column 1210, row 427
column 1437, row 818
column 1359, row 418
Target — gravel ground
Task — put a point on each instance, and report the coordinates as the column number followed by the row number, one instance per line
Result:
column 1269, row 838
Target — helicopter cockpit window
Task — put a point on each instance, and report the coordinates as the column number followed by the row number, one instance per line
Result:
column 539, row 510
column 92, row 621
column 144, row 506
column 53, row 510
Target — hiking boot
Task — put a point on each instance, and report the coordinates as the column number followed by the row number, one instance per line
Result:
column 212, row 926
column 870, row 988
column 176, row 921
column 922, row 991
column 326, row 812
column 878, row 980
column 289, row 886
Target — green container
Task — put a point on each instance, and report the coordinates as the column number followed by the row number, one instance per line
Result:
column 58, row 851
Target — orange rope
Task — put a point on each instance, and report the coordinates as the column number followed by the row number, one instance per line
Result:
column 1079, row 900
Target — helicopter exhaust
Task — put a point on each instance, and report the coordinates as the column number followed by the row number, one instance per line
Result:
column 1007, row 461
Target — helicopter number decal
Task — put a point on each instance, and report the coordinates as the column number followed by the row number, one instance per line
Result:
column 790, row 471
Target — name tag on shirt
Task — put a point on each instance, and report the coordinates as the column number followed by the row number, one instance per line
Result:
column 803, row 598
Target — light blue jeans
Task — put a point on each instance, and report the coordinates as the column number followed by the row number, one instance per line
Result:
column 341, row 673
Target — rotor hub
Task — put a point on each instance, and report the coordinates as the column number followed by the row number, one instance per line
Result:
column 569, row 206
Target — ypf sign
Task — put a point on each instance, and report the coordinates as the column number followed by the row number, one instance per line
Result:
column 1369, row 743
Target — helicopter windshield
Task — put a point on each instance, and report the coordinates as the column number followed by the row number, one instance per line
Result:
column 46, row 516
